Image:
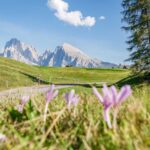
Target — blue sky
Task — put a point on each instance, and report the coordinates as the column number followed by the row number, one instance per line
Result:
column 46, row 26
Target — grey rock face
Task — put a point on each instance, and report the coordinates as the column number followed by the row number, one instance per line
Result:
column 20, row 51
column 65, row 55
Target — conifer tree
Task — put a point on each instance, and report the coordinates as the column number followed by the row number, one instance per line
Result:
column 136, row 14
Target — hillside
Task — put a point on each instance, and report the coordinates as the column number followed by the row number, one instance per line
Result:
column 15, row 74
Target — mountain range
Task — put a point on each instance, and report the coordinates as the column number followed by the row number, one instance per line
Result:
column 65, row 55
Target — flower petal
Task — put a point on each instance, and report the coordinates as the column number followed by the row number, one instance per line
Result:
column 98, row 95
column 24, row 99
column 71, row 98
column 55, row 94
column 76, row 100
column 66, row 97
column 71, row 94
column 114, row 94
column 20, row 108
column 3, row 138
column 48, row 97
column 107, row 92
column 124, row 93
column 52, row 88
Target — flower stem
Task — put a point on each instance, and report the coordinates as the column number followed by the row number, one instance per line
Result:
column 45, row 112
column 115, row 119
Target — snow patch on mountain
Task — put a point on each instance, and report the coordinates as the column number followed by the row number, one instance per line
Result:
column 20, row 51
column 68, row 55
column 45, row 58
column 65, row 55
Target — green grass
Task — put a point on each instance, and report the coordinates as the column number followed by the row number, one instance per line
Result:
column 136, row 80
column 79, row 128
column 16, row 74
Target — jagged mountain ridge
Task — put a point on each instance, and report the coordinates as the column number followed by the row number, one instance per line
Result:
column 45, row 58
column 20, row 51
column 65, row 55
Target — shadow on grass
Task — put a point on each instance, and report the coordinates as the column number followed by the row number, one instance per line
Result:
column 78, row 84
column 105, row 69
column 74, row 84
column 135, row 80
column 35, row 79
column 40, row 81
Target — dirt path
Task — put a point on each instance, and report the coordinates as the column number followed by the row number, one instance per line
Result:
column 31, row 91
column 34, row 90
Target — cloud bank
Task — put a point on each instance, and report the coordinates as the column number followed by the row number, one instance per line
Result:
column 74, row 18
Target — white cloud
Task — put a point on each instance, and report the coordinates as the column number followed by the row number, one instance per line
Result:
column 102, row 18
column 72, row 17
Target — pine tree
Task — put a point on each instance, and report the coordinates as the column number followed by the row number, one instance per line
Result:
column 137, row 16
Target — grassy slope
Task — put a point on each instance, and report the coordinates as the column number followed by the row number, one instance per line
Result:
column 14, row 74
column 80, row 128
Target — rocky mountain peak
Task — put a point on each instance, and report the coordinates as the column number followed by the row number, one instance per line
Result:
column 12, row 42
column 64, row 55
column 20, row 51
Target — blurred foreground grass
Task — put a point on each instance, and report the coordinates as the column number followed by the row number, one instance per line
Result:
column 79, row 128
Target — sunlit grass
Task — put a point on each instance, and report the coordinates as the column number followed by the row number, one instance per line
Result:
column 16, row 74
column 79, row 128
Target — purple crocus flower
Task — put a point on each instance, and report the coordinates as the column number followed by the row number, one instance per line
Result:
column 24, row 100
column 50, row 95
column 71, row 98
column 3, row 138
column 20, row 108
column 112, row 98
